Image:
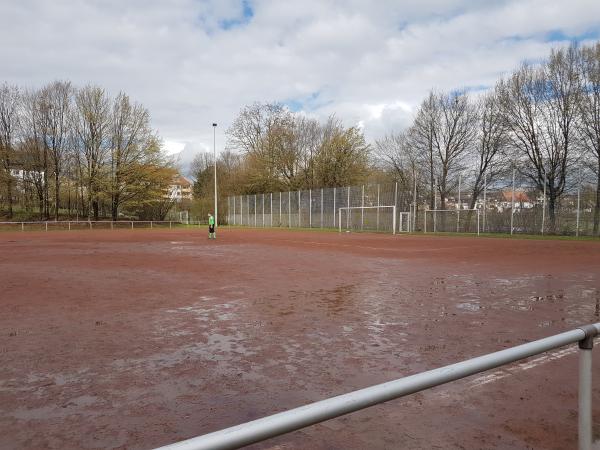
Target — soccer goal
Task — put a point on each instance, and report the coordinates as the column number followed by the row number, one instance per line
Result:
column 367, row 218
column 404, row 222
column 451, row 221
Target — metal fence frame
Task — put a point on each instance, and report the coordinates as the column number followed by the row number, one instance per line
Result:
column 508, row 205
column 297, row 418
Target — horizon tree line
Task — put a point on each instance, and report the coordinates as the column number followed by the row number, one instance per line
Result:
column 69, row 151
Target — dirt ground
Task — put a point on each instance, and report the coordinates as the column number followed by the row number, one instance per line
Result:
column 135, row 339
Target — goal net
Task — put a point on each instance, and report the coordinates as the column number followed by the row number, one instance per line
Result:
column 367, row 218
column 451, row 221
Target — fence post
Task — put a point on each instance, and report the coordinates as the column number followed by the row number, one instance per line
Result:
column 578, row 204
column 362, row 211
column 484, row 198
column 132, row 224
column 585, row 387
column 477, row 222
column 289, row 209
column 111, row 225
column 46, row 226
column 544, row 204
column 151, row 225
column 435, row 209
column 512, row 203
column 334, row 222
column 22, row 226
column 170, row 225
column 414, row 218
column 321, row 207
column 263, row 209
column 395, row 202
column 280, row 208
column 90, row 224
column 459, row 203
column 348, row 211
column 310, row 208
column 255, row 210
column 299, row 212
column 425, row 219
column 271, row 194
column 378, row 211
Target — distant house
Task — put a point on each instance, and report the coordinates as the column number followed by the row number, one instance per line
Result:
column 522, row 200
column 180, row 189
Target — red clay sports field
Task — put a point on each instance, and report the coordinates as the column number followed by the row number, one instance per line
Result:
column 134, row 339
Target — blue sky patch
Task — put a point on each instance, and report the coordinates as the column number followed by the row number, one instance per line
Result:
column 247, row 14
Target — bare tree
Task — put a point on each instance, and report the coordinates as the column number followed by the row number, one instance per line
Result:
column 56, row 103
column 91, row 133
column 454, row 135
column 9, row 122
column 589, row 126
column 422, row 137
column 490, row 146
column 396, row 154
column 131, row 138
column 539, row 106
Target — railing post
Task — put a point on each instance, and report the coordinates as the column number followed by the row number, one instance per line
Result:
column 170, row 223
column 69, row 226
column 151, row 225
column 585, row 387
column 132, row 224
column 46, row 226
column 22, row 226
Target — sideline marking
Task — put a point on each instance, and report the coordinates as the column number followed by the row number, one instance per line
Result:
column 526, row 365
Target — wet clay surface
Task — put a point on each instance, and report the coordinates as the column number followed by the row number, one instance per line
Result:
column 135, row 339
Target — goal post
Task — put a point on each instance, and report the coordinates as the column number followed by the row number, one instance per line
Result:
column 451, row 221
column 367, row 218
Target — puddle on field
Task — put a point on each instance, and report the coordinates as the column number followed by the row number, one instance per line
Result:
column 469, row 306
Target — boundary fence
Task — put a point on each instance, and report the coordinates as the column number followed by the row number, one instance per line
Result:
column 510, row 205
column 88, row 224
column 262, row 429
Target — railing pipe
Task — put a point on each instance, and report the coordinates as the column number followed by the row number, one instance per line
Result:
column 297, row 418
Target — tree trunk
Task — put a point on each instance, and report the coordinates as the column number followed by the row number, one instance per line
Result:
column 96, row 209
column 56, row 195
column 115, row 207
column 9, row 192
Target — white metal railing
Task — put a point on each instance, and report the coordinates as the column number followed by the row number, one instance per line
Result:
column 89, row 223
column 294, row 419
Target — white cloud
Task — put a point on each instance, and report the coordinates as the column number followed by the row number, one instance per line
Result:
column 194, row 62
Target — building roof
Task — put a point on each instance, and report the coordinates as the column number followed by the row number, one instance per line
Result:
column 182, row 181
column 520, row 196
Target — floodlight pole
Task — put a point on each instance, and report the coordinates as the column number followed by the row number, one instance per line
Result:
column 215, row 156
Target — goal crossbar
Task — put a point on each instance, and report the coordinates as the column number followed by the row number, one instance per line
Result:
column 361, row 208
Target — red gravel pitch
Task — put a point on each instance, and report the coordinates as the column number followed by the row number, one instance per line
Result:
column 135, row 339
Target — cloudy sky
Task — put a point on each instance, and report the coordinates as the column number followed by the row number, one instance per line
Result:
column 194, row 62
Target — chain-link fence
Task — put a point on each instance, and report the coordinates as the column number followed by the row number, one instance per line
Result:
column 512, row 204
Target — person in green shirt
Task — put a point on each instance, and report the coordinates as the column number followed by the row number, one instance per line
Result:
column 211, row 227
